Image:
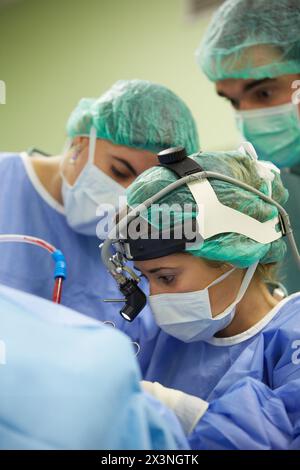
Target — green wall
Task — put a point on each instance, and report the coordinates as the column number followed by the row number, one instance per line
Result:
column 52, row 52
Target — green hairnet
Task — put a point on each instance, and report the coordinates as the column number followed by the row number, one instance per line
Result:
column 137, row 113
column 233, row 248
column 252, row 39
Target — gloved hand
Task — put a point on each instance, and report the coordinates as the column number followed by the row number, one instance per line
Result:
column 188, row 408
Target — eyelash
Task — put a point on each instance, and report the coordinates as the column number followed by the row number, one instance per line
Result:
column 262, row 93
column 259, row 95
column 118, row 174
column 167, row 279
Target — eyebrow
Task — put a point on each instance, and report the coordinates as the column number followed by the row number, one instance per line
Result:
column 248, row 86
column 256, row 83
column 128, row 166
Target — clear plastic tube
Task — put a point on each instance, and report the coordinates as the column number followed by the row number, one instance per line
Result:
column 59, row 278
column 27, row 239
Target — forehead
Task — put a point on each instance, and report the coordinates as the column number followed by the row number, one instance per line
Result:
column 171, row 261
column 255, row 61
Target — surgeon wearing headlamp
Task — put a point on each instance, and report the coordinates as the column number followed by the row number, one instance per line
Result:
column 226, row 359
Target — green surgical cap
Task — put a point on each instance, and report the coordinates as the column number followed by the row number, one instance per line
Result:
column 233, row 248
column 252, row 39
column 139, row 114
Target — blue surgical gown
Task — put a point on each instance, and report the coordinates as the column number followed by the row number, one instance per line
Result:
column 251, row 382
column 69, row 382
column 26, row 208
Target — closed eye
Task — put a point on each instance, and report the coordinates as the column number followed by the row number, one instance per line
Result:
column 126, row 165
column 167, row 279
column 119, row 174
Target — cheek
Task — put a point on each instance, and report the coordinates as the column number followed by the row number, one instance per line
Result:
column 154, row 288
column 152, row 291
column 193, row 281
column 158, row 287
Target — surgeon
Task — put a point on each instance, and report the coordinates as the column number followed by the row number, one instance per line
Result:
column 112, row 139
column 251, row 51
column 69, row 382
column 227, row 356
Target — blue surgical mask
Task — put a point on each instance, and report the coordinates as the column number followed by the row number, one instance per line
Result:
column 274, row 132
column 187, row 316
column 92, row 191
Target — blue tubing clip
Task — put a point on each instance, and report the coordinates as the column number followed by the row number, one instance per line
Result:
column 60, row 265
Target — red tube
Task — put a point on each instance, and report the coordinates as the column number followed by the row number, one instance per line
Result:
column 57, row 290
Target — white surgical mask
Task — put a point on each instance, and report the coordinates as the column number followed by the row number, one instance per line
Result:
column 92, row 189
column 187, row 316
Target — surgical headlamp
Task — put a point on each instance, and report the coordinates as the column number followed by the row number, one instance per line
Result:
column 214, row 219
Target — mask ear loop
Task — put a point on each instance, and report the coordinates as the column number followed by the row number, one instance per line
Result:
column 244, row 284
column 295, row 100
column 246, row 281
column 92, row 145
column 221, row 278
column 67, row 146
column 65, row 150
column 71, row 159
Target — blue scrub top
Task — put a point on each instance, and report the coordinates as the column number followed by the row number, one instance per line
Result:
column 26, row 208
column 251, row 382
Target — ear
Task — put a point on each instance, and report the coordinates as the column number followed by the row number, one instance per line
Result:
column 80, row 140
